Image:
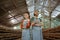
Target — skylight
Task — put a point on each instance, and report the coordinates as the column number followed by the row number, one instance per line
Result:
column 56, row 12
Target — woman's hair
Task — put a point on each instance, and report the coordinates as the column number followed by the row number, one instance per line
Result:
column 34, row 11
column 28, row 14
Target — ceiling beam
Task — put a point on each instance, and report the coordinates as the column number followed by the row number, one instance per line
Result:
column 14, row 3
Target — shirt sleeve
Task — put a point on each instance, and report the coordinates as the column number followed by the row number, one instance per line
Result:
column 32, row 19
column 28, row 24
column 40, row 20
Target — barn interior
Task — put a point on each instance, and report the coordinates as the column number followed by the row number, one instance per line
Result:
column 11, row 12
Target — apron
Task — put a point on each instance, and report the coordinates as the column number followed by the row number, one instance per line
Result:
column 37, row 31
column 25, row 32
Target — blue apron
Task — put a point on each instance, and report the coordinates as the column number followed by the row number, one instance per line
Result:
column 37, row 31
column 25, row 32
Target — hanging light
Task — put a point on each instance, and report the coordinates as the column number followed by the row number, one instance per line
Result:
column 13, row 21
column 9, row 11
column 15, row 27
column 9, row 16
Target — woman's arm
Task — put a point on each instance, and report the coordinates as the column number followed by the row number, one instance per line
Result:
column 21, row 24
column 32, row 21
column 28, row 24
column 39, row 24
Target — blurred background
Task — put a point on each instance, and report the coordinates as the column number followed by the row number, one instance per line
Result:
column 11, row 12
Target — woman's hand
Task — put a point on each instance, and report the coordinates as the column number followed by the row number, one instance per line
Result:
column 32, row 23
column 37, row 24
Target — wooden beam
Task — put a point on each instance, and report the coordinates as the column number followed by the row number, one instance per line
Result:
column 14, row 3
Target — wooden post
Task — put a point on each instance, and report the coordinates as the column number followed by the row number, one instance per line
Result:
column 49, row 1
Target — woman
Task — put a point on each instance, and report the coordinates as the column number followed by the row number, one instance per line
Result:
column 25, row 25
column 36, row 27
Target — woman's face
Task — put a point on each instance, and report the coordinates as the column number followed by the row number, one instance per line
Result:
column 26, row 16
column 36, row 13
